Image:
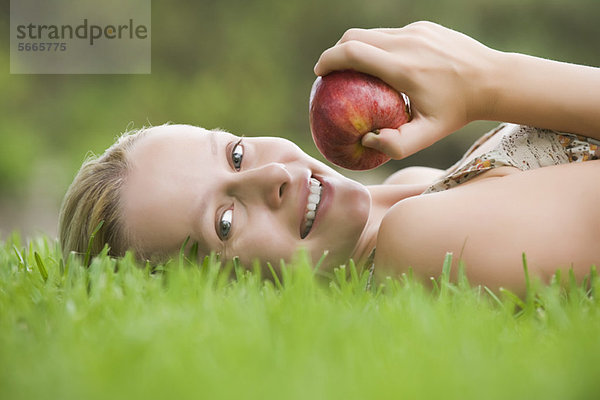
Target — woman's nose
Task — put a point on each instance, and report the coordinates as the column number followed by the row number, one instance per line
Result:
column 267, row 182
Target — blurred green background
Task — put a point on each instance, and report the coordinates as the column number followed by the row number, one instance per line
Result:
column 245, row 66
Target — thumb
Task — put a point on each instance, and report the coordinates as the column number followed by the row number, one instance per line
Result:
column 403, row 141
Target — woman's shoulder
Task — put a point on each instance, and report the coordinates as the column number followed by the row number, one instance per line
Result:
column 400, row 239
column 418, row 231
column 414, row 175
column 490, row 222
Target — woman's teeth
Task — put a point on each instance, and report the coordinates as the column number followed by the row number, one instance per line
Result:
column 311, row 207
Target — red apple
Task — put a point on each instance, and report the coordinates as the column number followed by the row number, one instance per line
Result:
column 345, row 105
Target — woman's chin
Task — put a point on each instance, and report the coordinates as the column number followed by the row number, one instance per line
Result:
column 345, row 222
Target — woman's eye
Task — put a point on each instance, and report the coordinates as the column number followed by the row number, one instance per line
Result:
column 237, row 155
column 225, row 223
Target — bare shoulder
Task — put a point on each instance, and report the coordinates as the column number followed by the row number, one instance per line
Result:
column 414, row 175
column 550, row 213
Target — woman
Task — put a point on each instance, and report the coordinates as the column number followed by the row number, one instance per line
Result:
column 263, row 198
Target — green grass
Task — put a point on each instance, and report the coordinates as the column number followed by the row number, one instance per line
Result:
column 118, row 330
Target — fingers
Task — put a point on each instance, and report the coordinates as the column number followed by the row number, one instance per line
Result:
column 349, row 54
column 358, row 49
column 404, row 141
column 346, row 52
column 365, row 58
column 375, row 37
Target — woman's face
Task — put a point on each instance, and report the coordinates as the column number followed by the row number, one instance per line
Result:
column 245, row 197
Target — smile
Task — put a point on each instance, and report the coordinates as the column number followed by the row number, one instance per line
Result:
column 312, row 205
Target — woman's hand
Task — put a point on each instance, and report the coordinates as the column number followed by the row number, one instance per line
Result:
column 444, row 73
column 451, row 80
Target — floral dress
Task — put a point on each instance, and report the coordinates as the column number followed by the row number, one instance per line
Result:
column 520, row 146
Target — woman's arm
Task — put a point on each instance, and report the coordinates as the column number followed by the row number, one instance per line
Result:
column 546, row 94
column 453, row 79
column 549, row 213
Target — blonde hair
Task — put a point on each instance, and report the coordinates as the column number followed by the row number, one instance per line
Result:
column 94, row 196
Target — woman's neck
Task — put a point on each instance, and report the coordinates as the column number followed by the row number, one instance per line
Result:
column 383, row 197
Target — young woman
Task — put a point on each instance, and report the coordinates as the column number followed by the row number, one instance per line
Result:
column 518, row 189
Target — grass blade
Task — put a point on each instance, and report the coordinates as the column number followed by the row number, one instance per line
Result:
column 237, row 267
column 88, row 253
column 320, row 262
column 182, row 251
column 463, row 281
column 529, row 295
column 592, row 281
column 340, row 275
column 40, row 265
column 435, row 286
column 447, row 267
column 193, row 256
column 513, row 297
column 353, row 273
column 493, row 296
column 445, row 278
column 275, row 277
column 20, row 257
